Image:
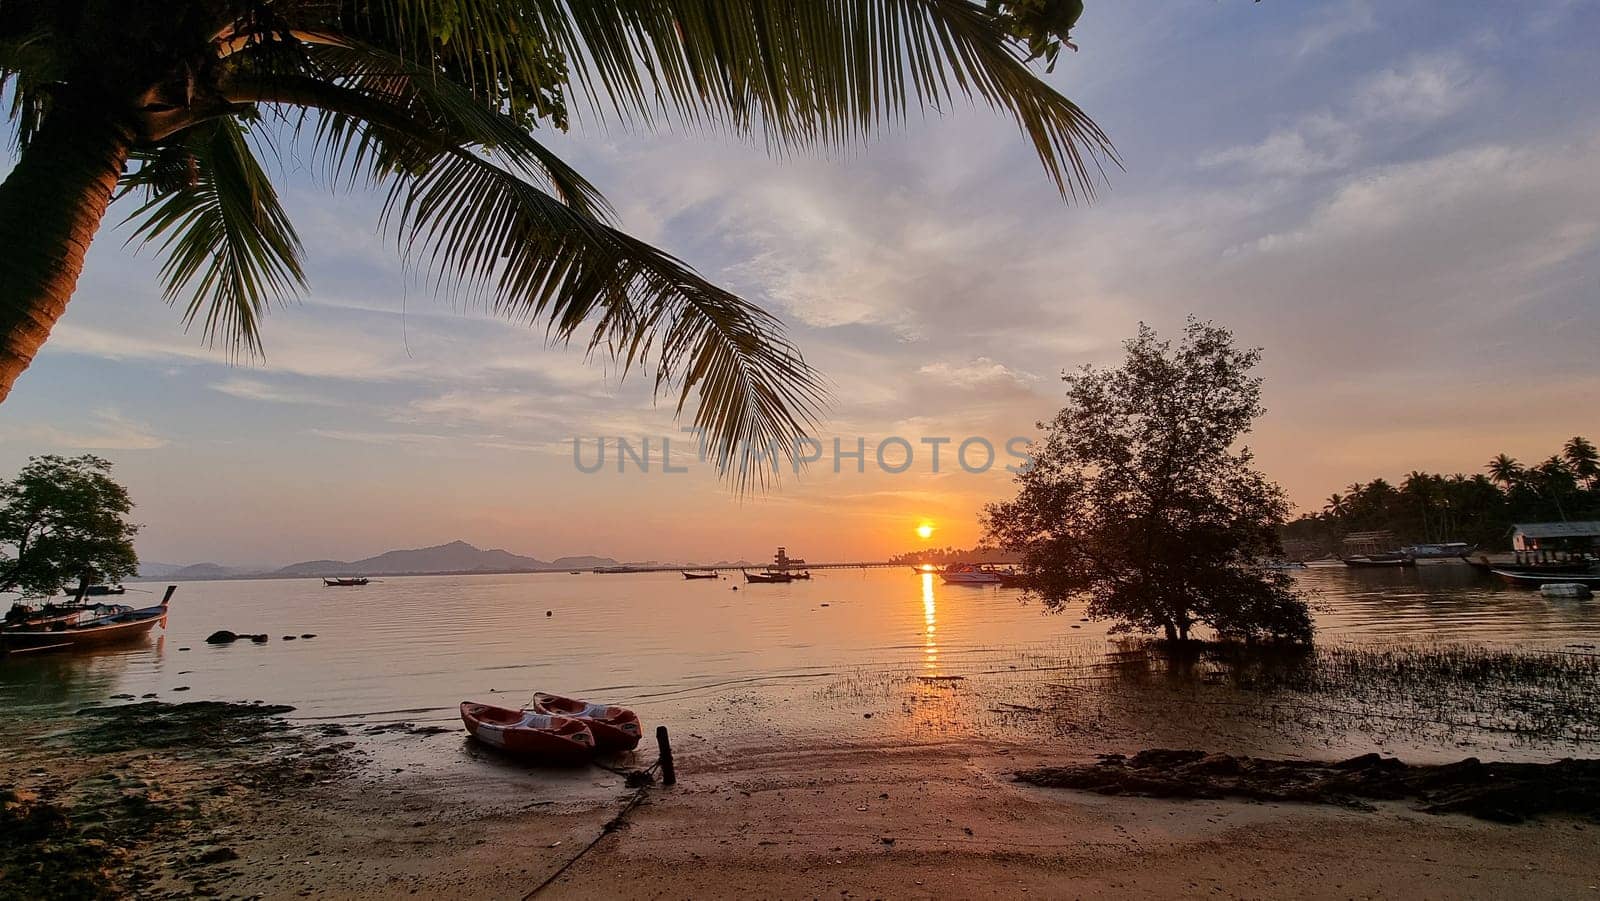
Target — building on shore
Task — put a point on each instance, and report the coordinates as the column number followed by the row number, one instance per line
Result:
column 1537, row 542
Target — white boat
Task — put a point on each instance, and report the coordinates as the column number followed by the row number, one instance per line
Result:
column 1565, row 590
column 969, row 574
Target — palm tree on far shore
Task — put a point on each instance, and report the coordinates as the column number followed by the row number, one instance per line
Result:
column 171, row 103
column 1582, row 460
column 1505, row 471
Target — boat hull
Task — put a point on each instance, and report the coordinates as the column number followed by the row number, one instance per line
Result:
column 768, row 578
column 614, row 728
column 138, row 624
column 970, row 578
column 1539, row 580
column 1379, row 562
column 548, row 739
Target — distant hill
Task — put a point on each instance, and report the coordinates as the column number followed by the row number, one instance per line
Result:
column 455, row 557
column 191, row 571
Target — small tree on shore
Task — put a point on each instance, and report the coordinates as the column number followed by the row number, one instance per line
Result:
column 1139, row 503
column 64, row 521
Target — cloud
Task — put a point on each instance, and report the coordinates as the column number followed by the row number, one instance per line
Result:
column 1318, row 143
column 979, row 371
column 1332, row 24
column 106, row 429
column 1425, row 89
column 253, row 389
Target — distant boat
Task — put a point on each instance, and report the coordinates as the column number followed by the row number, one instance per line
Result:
column 1539, row 580
column 1447, row 551
column 970, row 574
column 1386, row 561
column 575, row 572
column 763, row 578
column 345, row 583
column 121, row 624
column 699, row 574
column 95, row 591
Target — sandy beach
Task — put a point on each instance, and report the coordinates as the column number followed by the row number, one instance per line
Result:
column 298, row 812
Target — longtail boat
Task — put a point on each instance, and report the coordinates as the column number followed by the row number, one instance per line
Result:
column 767, row 577
column 699, row 573
column 1538, row 580
column 614, row 728
column 345, row 583
column 80, row 630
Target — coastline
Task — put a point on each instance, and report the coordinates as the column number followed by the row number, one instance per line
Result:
column 309, row 811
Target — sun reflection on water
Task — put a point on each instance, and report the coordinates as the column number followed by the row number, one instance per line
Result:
column 930, row 646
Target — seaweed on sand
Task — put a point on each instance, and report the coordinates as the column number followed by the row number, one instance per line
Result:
column 1503, row 792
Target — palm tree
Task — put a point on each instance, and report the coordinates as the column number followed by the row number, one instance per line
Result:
column 1504, row 470
column 436, row 102
column 1582, row 458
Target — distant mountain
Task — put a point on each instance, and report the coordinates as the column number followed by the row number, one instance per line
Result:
column 455, row 557
column 151, row 570
column 191, row 571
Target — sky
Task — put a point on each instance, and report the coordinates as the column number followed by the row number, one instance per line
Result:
column 1398, row 201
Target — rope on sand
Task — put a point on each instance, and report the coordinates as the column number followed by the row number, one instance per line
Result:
column 611, row 826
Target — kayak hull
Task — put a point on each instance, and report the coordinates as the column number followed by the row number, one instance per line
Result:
column 614, row 728
column 548, row 739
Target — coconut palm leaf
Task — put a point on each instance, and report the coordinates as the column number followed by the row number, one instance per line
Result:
column 227, row 240
column 800, row 74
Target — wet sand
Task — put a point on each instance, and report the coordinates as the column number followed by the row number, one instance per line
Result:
column 434, row 816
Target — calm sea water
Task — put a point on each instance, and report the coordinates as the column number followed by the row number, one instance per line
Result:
column 412, row 648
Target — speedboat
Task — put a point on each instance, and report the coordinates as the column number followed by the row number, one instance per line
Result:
column 614, row 728
column 970, row 574
column 528, row 733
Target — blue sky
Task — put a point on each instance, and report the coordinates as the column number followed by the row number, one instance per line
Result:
column 1399, row 201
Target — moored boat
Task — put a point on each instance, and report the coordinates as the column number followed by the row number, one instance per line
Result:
column 1393, row 560
column 1484, row 564
column 614, row 728
column 345, row 583
column 1539, row 580
column 970, row 574
column 95, row 591
column 699, row 573
column 84, row 629
column 762, row 578
column 528, row 733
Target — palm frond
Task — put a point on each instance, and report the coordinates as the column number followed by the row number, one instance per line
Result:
column 801, row 74
column 532, row 258
column 490, row 237
column 411, row 98
column 226, row 238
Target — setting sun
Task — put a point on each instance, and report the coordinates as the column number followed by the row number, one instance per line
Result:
column 925, row 531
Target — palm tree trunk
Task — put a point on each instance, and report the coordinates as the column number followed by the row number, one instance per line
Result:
column 50, row 208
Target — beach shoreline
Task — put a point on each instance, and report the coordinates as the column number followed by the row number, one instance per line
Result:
column 305, row 811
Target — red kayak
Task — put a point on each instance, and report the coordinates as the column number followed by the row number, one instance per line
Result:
column 556, row 739
column 614, row 728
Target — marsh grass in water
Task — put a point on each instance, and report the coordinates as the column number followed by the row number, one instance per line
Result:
column 1332, row 696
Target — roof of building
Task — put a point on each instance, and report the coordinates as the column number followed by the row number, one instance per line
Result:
column 1588, row 529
